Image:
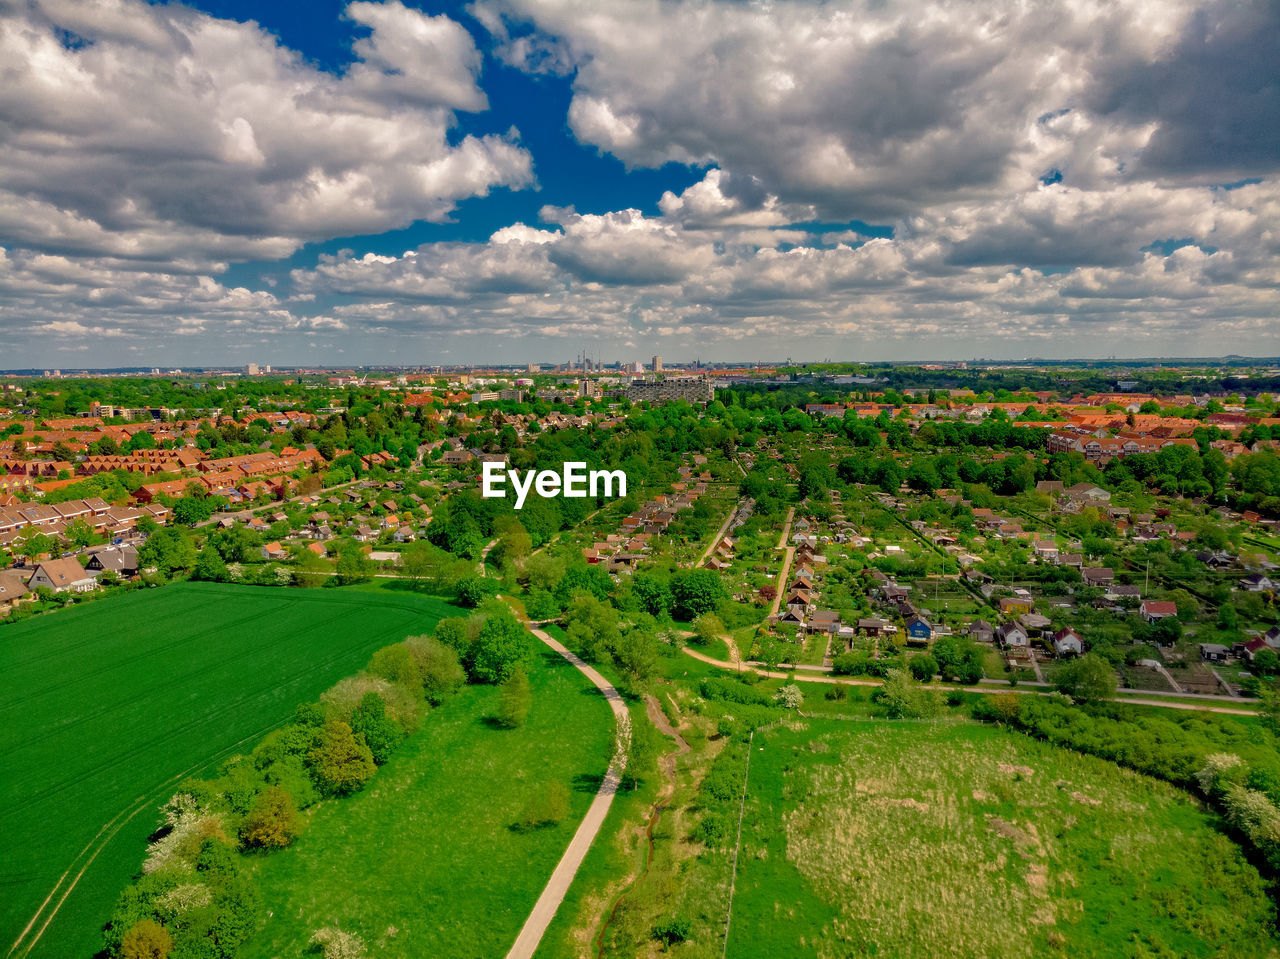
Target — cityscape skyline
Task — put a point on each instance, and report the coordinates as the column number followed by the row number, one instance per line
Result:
column 331, row 184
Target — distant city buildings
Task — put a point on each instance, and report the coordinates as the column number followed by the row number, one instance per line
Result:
column 657, row 364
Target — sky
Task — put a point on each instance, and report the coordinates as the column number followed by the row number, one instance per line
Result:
column 306, row 182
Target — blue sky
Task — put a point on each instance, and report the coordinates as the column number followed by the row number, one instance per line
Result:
column 336, row 183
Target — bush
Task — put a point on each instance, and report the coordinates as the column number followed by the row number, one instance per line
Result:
column 474, row 590
column 382, row 735
column 146, row 940
column 732, row 691
column 339, row 762
column 923, row 668
column 671, row 931
column 438, row 666
column 273, row 822
column 514, row 700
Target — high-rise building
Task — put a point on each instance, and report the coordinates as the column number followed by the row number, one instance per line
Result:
column 638, row 368
column 252, row 369
column 657, row 364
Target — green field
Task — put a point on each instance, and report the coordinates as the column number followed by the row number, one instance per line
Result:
column 424, row 862
column 106, row 706
column 906, row 840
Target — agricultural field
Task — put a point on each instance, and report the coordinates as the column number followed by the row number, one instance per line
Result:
column 106, row 706
column 906, row 839
column 428, row 861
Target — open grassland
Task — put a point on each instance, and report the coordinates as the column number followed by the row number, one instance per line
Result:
column 927, row 840
column 425, row 861
column 106, row 706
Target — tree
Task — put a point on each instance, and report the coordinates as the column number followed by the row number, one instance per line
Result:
column 339, row 762
column 369, row 721
column 790, row 696
column 310, row 570
column 514, row 699
column 670, row 931
column 642, row 756
column 923, row 668
column 353, row 566
column 1089, row 678
column 959, row 659
column 147, row 939
column 707, row 628
column 475, row 589
column 272, row 822
column 1266, row 662
column 501, row 646
column 438, row 666
column 210, row 566
column 905, row 698
column 696, row 591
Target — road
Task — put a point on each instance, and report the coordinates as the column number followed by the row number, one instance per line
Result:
column 553, row 894
column 824, row 677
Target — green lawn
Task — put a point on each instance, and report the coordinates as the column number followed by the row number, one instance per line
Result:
column 927, row 840
column 424, row 862
column 106, row 706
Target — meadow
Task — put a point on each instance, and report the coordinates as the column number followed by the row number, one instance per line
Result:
column 107, row 706
column 426, row 861
column 949, row 839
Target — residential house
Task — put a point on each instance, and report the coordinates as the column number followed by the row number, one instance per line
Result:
column 1066, row 642
column 61, row 576
column 1097, row 576
column 121, row 560
column 1213, row 652
column 273, row 551
column 1012, row 636
column 1153, row 610
column 980, row 631
column 919, row 630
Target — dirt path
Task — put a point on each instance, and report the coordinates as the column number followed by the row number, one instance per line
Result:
column 799, row 676
column 724, row 528
column 553, row 894
column 786, row 563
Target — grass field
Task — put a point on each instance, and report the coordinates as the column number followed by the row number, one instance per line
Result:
column 424, row 862
column 923, row 840
column 106, row 706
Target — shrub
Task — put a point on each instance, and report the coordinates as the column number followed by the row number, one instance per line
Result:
column 273, row 821
column 339, row 762
column 146, row 940
column 514, row 700
column 381, row 734
column 732, row 691
column 671, row 931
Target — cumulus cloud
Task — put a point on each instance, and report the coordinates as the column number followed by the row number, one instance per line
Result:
column 136, row 130
column 874, row 110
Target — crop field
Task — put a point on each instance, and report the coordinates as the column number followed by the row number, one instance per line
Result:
column 107, row 706
column 425, row 861
column 909, row 839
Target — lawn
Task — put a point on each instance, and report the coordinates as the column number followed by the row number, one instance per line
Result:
column 944, row 839
column 425, row 861
column 106, row 706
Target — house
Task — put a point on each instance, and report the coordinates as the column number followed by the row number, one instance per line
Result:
column 1014, row 605
column 317, row 548
column 273, row 551
column 405, row 534
column 61, row 576
column 1257, row 583
column 1213, row 652
column 121, row 560
column 875, row 627
column 919, row 630
column 1097, row 576
column 1011, row 636
column 1153, row 610
column 980, row 631
column 12, row 590
column 1124, row 592
column 793, row 614
column 1066, row 642
column 823, row 621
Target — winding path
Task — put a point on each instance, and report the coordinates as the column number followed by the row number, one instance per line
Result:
column 553, row 894
column 823, row 675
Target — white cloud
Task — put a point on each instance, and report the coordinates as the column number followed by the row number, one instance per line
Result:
column 163, row 131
